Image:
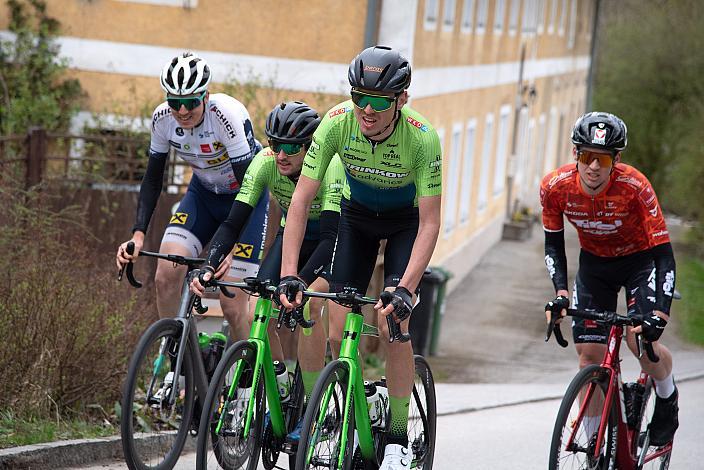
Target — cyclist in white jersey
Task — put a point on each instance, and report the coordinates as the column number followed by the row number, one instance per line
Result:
column 214, row 135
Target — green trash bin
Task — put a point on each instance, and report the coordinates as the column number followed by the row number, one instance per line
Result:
column 424, row 326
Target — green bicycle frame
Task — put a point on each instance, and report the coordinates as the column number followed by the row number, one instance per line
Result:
column 349, row 355
column 259, row 339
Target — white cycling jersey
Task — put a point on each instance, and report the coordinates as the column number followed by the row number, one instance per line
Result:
column 223, row 139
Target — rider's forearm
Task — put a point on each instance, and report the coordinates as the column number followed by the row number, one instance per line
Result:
column 421, row 253
column 664, row 276
column 149, row 191
column 228, row 233
column 321, row 256
column 556, row 260
column 294, row 232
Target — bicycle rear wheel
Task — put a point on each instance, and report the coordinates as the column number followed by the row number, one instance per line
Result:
column 649, row 457
column 422, row 416
column 578, row 420
column 222, row 441
column 154, row 430
column 321, row 435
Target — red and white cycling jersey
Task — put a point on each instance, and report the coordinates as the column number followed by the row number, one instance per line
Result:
column 625, row 218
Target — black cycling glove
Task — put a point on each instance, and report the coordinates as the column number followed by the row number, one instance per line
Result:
column 557, row 305
column 290, row 286
column 653, row 326
column 402, row 301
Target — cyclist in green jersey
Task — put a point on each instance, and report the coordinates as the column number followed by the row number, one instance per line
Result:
column 290, row 127
column 392, row 161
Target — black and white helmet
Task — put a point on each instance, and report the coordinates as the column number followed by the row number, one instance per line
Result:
column 186, row 74
column 600, row 130
column 292, row 122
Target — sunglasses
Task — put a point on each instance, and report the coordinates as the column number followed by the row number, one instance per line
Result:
column 586, row 157
column 189, row 103
column 377, row 102
column 289, row 149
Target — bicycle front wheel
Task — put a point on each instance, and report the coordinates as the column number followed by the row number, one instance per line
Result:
column 647, row 456
column 224, row 440
column 422, row 416
column 320, row 446
column 574, row 437
column 154, row 422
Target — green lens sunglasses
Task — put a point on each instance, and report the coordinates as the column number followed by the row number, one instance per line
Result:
column 377, row 102
column 289, row 149
column 189, row 103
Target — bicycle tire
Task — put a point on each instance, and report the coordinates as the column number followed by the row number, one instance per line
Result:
column 422, row 416
column 334, row 378
column 580, row 454
column 158, row 447
column 227, row 449
column 646, row 414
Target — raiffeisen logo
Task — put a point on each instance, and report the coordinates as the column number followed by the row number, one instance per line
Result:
column 417, row 124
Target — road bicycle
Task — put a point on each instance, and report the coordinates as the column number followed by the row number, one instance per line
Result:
column 602, row 422
column 166, row 375
column 338, row 404
column 233, row 425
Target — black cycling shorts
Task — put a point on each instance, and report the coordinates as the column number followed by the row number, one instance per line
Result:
column 271, row 266
column 358, row 237
column 598, row 283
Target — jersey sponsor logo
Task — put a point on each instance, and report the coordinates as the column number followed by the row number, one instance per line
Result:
column 599, row 136
column 376, row 171
column 205, row 148
column 597, row 226
column 630, row 180
column 243, row 250
column 226, row 124
column 217, row 145
column 391, row 164
column 391, row 146
column 433, row 185
column 590, row 324
column 356, row 138
column 316, row 206
column 175, row 145
column 417, row 124
column 550, row 264
column 336, row 186
column 186, row 146
column 559, row 177
column 179, row 131
column 308, row 165
column 391, row 156
column 314, row 145
column 373, row 68
column 159, row 115
column 179, row 218
column 654, row 211
column 651, row 280
column 351, row 156
column 647, row 195
column 661, row 233
column 234, row 185
column 339, row 111
column 669, row 284
column 215, row 161
column 577, row 213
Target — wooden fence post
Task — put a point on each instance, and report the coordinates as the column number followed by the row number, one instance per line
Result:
column 36, row 155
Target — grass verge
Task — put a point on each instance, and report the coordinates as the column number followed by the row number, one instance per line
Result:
column 690, row 310
column 16, row 431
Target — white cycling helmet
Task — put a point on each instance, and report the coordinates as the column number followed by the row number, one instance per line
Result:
column 186, row 74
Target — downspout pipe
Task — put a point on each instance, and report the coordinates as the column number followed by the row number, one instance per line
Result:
column 371, row 28
column 592, row 58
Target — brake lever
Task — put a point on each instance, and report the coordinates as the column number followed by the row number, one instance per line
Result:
column 227, row 293
column 198, row 306
column 128, row 269
column 554, row 327
column 301, row 319
column 649, row 351
column 395, row 333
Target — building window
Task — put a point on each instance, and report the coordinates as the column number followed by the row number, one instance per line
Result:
column 467, row 171
column 529, row 16
column 540, row 13
column 513, row 16
column 573, row 24
column 483, row 196
column 453, row 180
column 563, row 16
column 467, row 16
column 431, row 14
column 499, row 13
column 553, row 16
column 482, row 15
column 448, row 17
column 502, row 150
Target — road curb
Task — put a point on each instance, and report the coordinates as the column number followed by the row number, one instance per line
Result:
column 71, row 453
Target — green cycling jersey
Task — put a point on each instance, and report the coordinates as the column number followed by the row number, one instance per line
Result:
column 262, row 174
column 381, row 176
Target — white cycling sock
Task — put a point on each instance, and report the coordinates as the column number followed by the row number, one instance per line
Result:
column 590, row 424
column 666, row 387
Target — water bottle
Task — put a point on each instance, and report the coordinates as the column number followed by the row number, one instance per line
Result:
column 282, row 380
column 377, row 402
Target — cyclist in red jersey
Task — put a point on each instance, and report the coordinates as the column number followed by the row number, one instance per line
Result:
column 624, row 243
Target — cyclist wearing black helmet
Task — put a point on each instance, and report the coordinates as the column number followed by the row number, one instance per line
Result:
column 213, row 134
column 290, row 128
column 392, row 162
column 624, row 243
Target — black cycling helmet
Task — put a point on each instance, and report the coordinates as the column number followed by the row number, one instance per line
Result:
column 600, row 130
column 293, row 122
column 380, row 68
